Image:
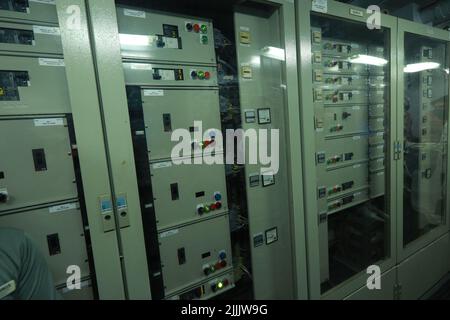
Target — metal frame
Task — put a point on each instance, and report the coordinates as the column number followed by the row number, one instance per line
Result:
column 294, row 150
column 340, row 11
column 80, row 70
column 423, row 30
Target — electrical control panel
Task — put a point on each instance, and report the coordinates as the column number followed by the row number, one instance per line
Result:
column 187, row 193
column 25, row 38
column 59, row 234
column 351, row 95
column 27, row 82
column 39, row 167
column 173, row 99
column 350, row 120
column 167, row 109
column 32, row 10
column 159, row 37
column 194, row 252
column 166, row 74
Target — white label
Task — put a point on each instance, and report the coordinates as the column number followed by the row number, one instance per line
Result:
column 356, row 137
column 44, row 1
column 356, row 108
column 153, row 93
column 357, row 194
column 356, row 166
column 161, row 165
column 171, row 43
column 320, row 6
column 48, row 122
column 63, row 207
column 380, row 173
column 168, row 233
column 141, row 66
column 53, row 31
column 134, row 13
column 355, row 92
column 51, row 62
column 7, row 288
column 357, row 13
column 168, row 75
column 244, row 28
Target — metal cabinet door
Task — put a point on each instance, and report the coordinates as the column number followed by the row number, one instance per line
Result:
column 185, row 253
column 38, row 81
column 58, row 233
column 178, row 109
column 183, row 190
column 36, row 162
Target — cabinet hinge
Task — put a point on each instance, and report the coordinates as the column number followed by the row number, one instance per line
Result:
column 397, row 150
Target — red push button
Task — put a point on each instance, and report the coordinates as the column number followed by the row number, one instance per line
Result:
column 207, row 75
column 196, row 28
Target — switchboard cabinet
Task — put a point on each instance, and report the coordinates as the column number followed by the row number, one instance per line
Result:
column 38, row 168
column 32, row 10
column 351, row 68
column 423, row 208
column 158, row 36
column 194, row 253
column 26, row 83
column 173, row 100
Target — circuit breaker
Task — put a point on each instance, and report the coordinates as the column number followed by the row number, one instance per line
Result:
column 349, row 94
column 171, row 75
column 40, row 180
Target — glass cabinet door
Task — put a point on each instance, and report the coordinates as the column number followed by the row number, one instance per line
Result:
column 351, row 94
column 425, row 72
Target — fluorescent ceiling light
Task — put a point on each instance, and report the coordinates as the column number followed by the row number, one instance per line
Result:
column 273, row 52
column 421, row 66
column 134, row 40
column 370, row 60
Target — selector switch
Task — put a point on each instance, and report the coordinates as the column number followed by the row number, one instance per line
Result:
column 3, row 197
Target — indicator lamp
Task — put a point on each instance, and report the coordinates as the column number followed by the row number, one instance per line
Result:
column 204, row 39
column 196, row 27
column 201, row 75
column 217, row 196
column 204, row 28
column 220, row 285
column 218, row 205
column 207, row 75
column 206, row 209
column 222, row 255
column 194, row 74
column 189, row 26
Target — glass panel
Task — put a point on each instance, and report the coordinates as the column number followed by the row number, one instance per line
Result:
column 426, row 112
column 351, row 105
